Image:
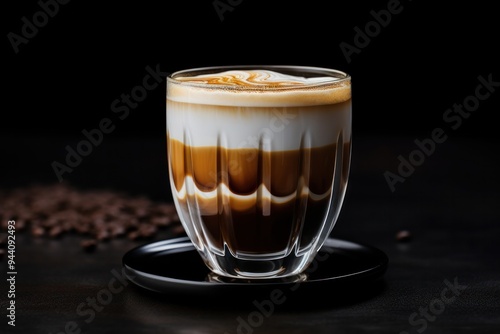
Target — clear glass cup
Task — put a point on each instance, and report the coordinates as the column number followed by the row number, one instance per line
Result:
column 258, row 170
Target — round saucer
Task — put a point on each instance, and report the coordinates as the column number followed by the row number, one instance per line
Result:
column 175, row 267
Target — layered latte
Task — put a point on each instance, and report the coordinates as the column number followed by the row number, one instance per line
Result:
column 258, row 159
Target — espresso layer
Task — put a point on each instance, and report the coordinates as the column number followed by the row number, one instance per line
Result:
column 252, row 232
column 243, row 171
column 257, row 201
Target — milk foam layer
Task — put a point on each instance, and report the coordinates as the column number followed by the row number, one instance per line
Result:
column 258, row 88
column 268, row 129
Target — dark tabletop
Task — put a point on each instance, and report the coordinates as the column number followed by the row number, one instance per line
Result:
column 446, row 279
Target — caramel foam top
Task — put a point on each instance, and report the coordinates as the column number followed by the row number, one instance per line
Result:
column 258, row 87
column 254, row 78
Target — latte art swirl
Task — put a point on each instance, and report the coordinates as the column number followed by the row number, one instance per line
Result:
column 258, row 78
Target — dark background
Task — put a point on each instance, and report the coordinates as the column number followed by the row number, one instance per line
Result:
column 65, row 78
column 427, row 59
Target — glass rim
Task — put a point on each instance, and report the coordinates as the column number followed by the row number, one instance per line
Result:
column 338, row 77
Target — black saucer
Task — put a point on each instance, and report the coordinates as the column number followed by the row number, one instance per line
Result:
column 174, row 267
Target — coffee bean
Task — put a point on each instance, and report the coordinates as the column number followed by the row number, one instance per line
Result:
column 165, row 209
column 37, row 231
column 82, row 228
column 147, row 230
column 51, row 222
column 141, row 212
column 134, row 235
column 116, row 230
column 89, row 245
column 98, row 223
column 20, row 225
column 67, row 226
column 113, row 211
column 403, row 236
column 2, row 252
column 55, row 231
column 130, row 222
column 103, row 235
column 161, row 220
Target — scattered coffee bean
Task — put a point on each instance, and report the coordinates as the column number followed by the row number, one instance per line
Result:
column 20, row 225
column 89, row 245
column 82, row 229
column 161, row 220
column 166, row 210
column 56, row 231
column 37, row 231
column 147, row 230
column 67, row 226
column 103, row 235
column 403, row 236
column 134, row 235
column 55, row 210
column 116, row 230
column 2, row 253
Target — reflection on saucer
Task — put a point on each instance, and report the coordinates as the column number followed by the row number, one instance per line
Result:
column 174, row 267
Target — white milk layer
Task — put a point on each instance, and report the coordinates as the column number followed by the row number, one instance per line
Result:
column 270, row 129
